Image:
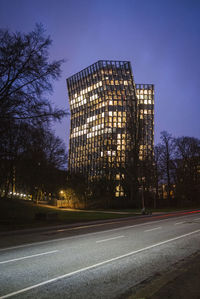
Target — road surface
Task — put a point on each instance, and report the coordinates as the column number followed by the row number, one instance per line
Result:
column 99, row 260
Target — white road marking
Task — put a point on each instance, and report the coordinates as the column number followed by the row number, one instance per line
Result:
column 81, row 236
column 96, row 265
column 149, row 230
column 83, row 226
column 28, row 257
column 105, row 240
column 177, row 223
column 86, row 234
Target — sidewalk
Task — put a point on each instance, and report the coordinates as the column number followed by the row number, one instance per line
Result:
column 183, row 282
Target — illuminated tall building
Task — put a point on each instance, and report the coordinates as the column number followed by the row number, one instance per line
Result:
column 104, row 104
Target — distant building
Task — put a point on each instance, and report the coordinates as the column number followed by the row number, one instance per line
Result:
column 105, row 106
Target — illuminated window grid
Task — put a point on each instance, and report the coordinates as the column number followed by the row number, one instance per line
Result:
column 99, row 97
column 110, row 98
column 145, row 95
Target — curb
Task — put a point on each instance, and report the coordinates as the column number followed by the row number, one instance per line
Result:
column 150, row 287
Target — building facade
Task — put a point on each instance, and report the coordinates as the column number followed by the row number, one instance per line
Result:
column 105, row 103
column 145, row 104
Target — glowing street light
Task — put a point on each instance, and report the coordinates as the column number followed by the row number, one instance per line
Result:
column 62, row 196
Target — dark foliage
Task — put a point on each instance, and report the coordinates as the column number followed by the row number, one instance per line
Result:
column 31, row 156
column 177, row 163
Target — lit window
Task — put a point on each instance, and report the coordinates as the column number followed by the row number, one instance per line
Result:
column 117, row 176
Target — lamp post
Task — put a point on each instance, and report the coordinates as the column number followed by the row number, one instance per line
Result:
column 61, row 193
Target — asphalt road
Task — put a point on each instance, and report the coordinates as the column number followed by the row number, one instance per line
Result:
column 99, row 260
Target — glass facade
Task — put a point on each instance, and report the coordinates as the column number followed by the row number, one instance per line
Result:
column 145, row 96
column 104, row 100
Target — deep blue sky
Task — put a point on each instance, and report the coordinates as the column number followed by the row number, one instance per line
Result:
column 161, row 38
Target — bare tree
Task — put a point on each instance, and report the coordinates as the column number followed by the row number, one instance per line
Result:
column 157, row 171
column 40, row 161
column 187, row 169
column 131, row 182
column 166, row 159
column 26, row 76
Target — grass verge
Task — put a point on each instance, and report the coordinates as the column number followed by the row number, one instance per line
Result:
column 18, row 214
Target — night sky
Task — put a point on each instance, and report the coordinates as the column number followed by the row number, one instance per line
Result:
column 161, row 38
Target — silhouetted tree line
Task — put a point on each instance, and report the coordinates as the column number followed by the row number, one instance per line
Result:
column 177, row 169
column 31, row 156
column 170, row 179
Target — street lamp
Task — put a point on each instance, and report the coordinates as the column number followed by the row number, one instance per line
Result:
column 61, row 193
